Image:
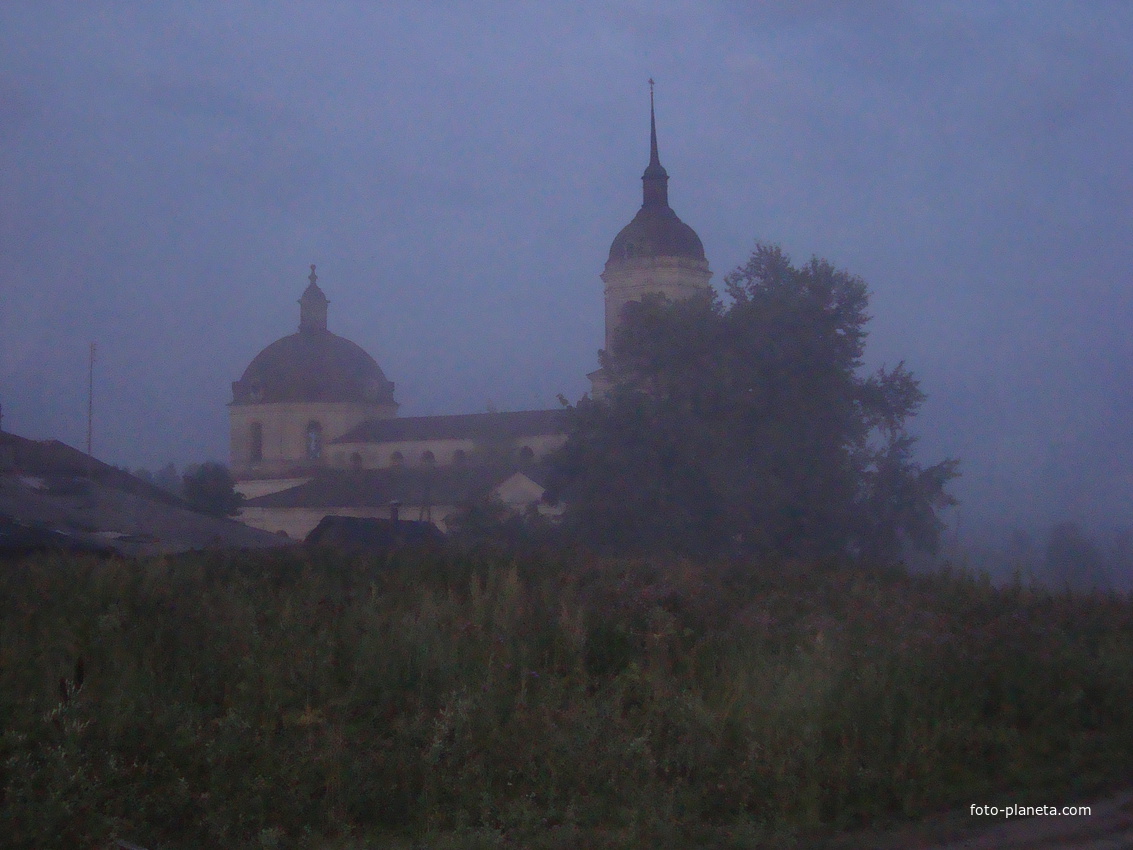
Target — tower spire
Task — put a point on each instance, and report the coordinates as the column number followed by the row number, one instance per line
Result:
column 655, row 180
column 653, row 158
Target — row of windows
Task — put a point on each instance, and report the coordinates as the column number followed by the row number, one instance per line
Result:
column 314, row 450
column 312, row 436
column 427, row 458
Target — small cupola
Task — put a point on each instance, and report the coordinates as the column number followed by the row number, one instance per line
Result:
column 313, row 306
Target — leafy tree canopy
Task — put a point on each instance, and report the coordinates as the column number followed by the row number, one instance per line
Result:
column 210, row 489
column 750, row 427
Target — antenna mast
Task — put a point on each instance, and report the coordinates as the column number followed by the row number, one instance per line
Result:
column 90, row 399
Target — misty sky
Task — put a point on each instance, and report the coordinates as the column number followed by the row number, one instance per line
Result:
column 458, row 171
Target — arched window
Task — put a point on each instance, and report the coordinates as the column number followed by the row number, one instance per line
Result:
column 256, row 442
column 428, row 458
column 459, row 457
column 355, row 460
column 314, row 441
column 396, row 459
column 526, row 454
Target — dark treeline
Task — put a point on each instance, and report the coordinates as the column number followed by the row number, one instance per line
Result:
column 1062, row 555
column 167, row 477
column 206, row 487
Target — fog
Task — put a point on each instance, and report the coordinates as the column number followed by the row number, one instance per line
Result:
column 457, row 172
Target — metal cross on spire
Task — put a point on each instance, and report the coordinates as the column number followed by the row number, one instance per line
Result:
column 313, row 276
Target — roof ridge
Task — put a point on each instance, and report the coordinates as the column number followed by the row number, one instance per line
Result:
column 516, row 423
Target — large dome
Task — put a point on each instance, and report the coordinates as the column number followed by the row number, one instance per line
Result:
column 656, row 232
column 313, row 365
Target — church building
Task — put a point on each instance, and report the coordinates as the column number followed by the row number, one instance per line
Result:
column 314, row 425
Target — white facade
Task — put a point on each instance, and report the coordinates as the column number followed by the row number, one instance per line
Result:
column 285, row 441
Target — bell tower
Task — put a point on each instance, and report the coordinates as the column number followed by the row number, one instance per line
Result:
column 655, row 253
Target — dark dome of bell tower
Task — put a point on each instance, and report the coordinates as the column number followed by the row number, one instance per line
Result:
column 655, row 231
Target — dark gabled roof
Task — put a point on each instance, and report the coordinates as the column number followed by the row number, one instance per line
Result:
column 364, row 534
column 519, row 423
column 55, row 497
column 376, row 488
column 20, row 539
column 63, row 467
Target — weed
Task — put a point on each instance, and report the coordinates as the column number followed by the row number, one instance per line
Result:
column 461, row 700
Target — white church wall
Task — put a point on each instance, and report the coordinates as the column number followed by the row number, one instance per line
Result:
column 297, row 523
column 284, row 425
column 444, row 451
column 256, row 487
column 674, row 277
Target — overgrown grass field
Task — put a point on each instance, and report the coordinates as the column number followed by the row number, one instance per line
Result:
column 445, row 700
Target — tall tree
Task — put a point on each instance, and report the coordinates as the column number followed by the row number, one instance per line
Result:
column 209, row 488
column 751, row 426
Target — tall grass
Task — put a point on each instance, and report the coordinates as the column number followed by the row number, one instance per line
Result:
column 303, row 699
